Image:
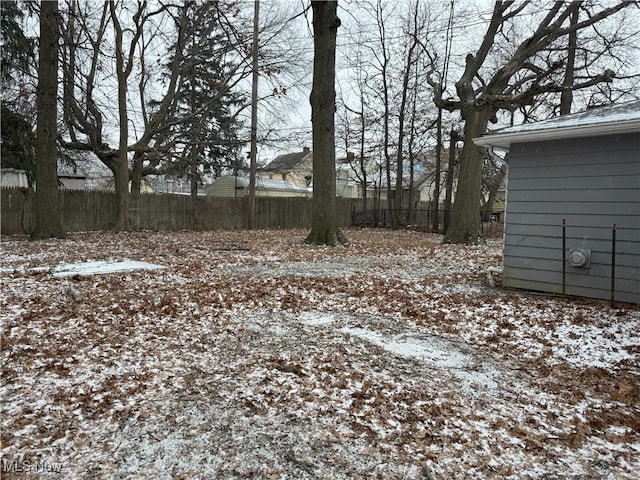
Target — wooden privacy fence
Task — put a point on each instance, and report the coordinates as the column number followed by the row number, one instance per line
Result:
column 88, row 210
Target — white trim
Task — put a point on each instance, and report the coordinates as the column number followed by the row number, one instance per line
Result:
column 504, row 140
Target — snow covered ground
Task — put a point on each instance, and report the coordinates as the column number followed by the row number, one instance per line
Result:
column 235, row 354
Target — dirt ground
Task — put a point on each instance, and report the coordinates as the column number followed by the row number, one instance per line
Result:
column 236, row 354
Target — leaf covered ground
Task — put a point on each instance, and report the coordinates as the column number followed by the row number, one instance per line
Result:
column 252, row 355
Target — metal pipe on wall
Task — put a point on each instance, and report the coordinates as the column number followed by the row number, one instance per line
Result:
column 564, row 255
column 613, row 264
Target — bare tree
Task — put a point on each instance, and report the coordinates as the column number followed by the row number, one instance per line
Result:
column 124, row 66
column 324, row 228
column 530, row 70
column 84, row 119
column 357, row 163
column 387, row 56
column 361, row 120
column 408, row 70
column 254, row 114
column 371, row 59
column 47, row 211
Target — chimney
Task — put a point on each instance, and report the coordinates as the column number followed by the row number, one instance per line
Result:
column 305, row 149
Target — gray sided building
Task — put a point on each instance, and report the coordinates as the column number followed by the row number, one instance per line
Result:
column 582, row 170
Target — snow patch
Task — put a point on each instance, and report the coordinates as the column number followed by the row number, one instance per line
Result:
column 101, row 267
column 316, row 318
column 436, row 352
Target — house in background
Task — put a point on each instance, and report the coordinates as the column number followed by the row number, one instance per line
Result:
column 288, row 175
column 349, row 175
column 71, row 177
column 12, row 177
column 582, row 169
column 496, row 214
column 349, row 178
column 347, row 184
column 234, row 186
column 294, row 168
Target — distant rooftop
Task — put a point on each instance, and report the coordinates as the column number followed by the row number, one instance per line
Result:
column 607, row 120
column 286, row 163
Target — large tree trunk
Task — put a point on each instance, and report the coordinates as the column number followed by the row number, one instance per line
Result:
column 466, row 226
column 324, row 228
column 48, row 217
column 121, row 181
column 121, row 166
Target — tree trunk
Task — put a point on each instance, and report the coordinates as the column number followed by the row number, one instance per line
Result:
column 324, row 228
column 48, row 216
column 363, row 166
column 466, row 226
column 253, row 167
column 121, row 166
column 411, row 210
column 493, row 187
column 136, row 174
column 566, row 97
column 121, row 181
column 398, row 200
column 449, row 182
column 195, row 224
column 435, row 225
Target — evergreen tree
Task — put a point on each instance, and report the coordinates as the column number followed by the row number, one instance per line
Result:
column 18, row 137
column 17, row 49
column 206, row 128
column 17, row 149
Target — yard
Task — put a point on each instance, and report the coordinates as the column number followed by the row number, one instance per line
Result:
column 236, row 354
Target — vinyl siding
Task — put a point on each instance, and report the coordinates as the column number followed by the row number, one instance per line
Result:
column 228, row 187
column 592, row 183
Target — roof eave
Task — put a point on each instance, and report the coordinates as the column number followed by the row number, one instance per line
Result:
column 504, row 140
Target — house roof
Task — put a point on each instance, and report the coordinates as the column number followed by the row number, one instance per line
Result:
column 70, row 171
column 613, row 119
column 286, row 163
column 268, row 184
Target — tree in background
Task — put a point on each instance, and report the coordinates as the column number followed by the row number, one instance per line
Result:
column 205, row 127
column 18, row 65
column 125, row 58
column 17, row 149
column 47, row 211
column 324, row 228
column 389, row 98
column 411, row 54
column 84, row 70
